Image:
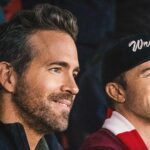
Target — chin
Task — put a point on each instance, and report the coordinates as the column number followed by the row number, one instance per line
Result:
column 61, row 125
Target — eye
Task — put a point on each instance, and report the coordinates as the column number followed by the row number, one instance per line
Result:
column 146, row 74
column 55, row 70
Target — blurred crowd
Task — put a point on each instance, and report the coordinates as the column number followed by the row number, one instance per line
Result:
column 101, row 23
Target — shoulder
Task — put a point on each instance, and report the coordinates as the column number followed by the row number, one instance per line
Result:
column 103, row 139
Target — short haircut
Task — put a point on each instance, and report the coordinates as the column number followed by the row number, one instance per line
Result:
column 14, row 35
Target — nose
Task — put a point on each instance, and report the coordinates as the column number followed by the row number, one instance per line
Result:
column 70, row 86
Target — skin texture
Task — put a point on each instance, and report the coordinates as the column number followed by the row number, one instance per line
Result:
column 137, row 93
column 42, row 98
column 133, row 101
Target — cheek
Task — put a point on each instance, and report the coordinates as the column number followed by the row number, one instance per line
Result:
column 44, row 81
column 48, row 84
column 139, row 91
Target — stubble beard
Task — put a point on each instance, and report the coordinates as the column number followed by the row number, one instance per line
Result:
column 36, row 112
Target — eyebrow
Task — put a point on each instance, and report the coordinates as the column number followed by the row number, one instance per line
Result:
column 145, row 70
column 64, row 64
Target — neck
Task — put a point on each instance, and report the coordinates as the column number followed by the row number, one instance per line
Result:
column 145, row 134
column 141, row 124
column 7, row 107
column 33, row 137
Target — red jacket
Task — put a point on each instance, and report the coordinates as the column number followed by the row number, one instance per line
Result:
column 103, row 139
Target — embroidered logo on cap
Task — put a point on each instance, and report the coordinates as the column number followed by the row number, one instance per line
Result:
column 138, row 45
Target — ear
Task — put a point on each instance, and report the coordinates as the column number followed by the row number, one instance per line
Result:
column 7, row 77
column 115, row 91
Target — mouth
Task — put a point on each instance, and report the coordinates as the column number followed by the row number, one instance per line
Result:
column 65, row 103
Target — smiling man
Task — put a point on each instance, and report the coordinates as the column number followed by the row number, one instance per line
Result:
column 38, row 66
column 126, row 78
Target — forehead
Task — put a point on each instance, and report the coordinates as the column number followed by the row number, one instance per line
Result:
column 54, row 46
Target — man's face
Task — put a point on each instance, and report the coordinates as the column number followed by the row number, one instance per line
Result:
column 137, row 92
column 45, row 93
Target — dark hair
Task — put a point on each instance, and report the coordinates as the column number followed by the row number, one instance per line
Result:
column 121, row 80
column 14, row 35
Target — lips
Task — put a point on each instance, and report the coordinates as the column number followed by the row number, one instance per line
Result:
column 64, row 102
column 63, row 99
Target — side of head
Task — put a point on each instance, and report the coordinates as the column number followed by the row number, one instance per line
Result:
column 121, row 65
column 15, row 49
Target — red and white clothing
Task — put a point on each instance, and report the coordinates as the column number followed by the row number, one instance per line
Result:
column 117, row 133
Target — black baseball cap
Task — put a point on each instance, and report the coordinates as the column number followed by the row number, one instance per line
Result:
column 125, row 55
